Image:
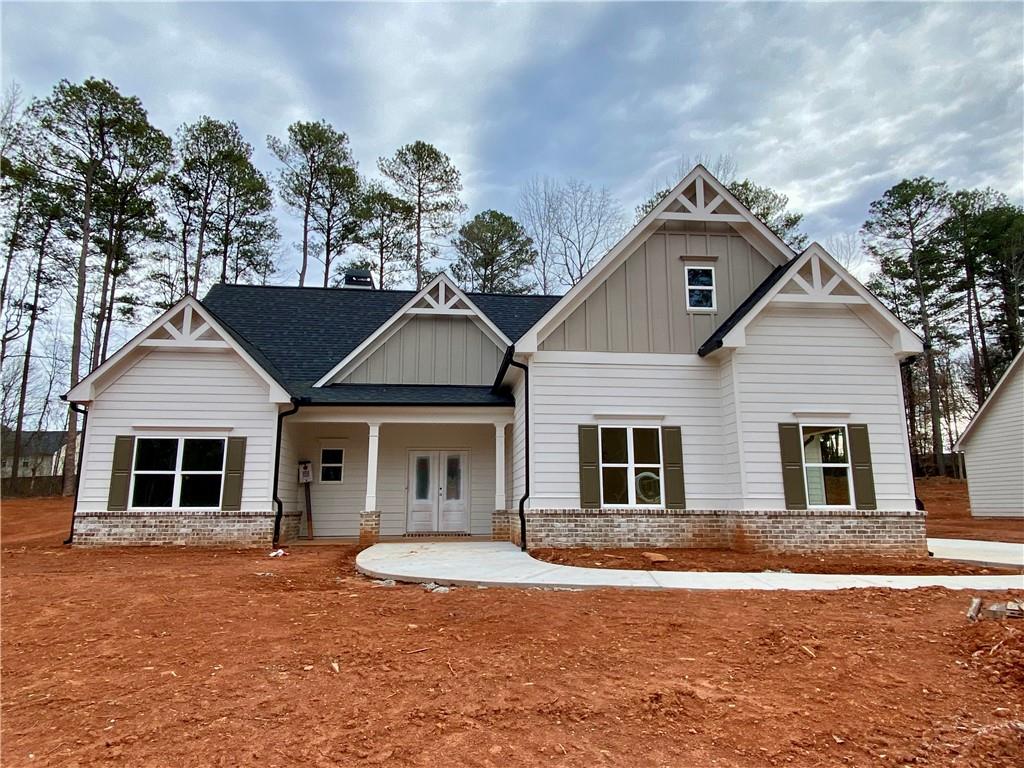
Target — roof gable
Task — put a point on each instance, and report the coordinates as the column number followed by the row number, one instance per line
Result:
column 699, row 197
column 439, row 298
column 997, row 391
column 186, row 325
column 815, row 277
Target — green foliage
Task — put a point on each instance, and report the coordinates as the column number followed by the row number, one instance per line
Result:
column 386, row 234
column 426, row 179
column 493, row 253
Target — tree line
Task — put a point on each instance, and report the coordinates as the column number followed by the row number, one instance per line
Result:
column 108, row 220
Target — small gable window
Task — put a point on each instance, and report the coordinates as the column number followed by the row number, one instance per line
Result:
column 700, row 289
column 332, row 464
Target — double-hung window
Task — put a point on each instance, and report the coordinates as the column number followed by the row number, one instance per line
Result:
column 178, row 472
column 631, row 466
column 700, row 289
column 827, row 466
column 332, row 464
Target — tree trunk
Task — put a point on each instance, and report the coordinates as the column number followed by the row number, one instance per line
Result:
column 70, row 447
column 986, row 360
column 26, row 367
column 101, row 312
column 185, row 266
column 979, row 383
column 110, row 319
column 200, row 245
column 419, row 238
column 929, row 356
column 5, row 282
column 910, row 399
column 305, row 244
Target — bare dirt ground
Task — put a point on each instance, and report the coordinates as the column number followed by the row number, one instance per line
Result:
column 949, row 514
column 753, row 562
column 157, row 657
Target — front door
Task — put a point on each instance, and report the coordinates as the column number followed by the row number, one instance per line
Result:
column 438, row 492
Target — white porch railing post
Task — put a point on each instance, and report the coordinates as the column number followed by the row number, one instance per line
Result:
column 499, row 465
column 372, row 450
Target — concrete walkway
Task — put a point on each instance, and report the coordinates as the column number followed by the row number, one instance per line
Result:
column 984, row 552
column 501, row 564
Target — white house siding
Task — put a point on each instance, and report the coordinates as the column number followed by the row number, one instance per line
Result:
column 995, row 452
column 565, row 393
column 336, row 506
column 827, row 362
column 183, row 389
column 730, row 432
column 517, row 457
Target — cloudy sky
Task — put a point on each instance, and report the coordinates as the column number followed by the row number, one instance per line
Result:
column 829, row 103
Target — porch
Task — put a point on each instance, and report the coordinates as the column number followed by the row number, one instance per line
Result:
column 392, row 473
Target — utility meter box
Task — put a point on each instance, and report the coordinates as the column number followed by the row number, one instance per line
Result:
column 306, row 472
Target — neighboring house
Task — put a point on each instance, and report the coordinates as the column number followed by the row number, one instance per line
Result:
column 703, row 385
column 37, row 453
column 993, row 444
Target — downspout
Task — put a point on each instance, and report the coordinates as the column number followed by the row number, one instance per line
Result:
column 296, row 404
column 526, row 446
column 78, row 472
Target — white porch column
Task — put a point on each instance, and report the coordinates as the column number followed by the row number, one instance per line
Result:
column 371, row 466
column 499, row 465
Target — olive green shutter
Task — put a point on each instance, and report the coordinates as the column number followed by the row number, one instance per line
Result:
column 672, row 450
column 590, row 479
column 792, row 466
column 234, row 468
column 121, row 473
column 860, row 463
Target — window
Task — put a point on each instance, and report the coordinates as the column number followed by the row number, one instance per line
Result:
column 178, row 472
column 827, row 466
column 700, row 288
column 630, row 466
column 332, row 465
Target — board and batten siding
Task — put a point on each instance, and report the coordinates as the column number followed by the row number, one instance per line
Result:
column 994, row 452
column 566, row 393
column 336, row 506
column 829, row 363
column 431, row 350
column 641, row 307
column 183, row 389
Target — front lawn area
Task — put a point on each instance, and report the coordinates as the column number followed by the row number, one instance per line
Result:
column 164, row 657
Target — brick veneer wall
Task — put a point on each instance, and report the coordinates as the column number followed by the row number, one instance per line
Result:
column 882, row 532
column 291, row 526
column 501, row 524
column 175, row 527
column 369, row 526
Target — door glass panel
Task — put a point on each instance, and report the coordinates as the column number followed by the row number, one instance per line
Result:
column 422, row 478
column 453, row 478
column 646, row 447
column 613, row 446
column 648, row 485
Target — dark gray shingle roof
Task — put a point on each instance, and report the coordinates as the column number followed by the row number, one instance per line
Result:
column 299, row 334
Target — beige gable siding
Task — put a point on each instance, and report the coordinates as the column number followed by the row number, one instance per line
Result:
column 641, row 307
column 826, row 361
column 995, row 452
column 432, row 350
column 181, row 389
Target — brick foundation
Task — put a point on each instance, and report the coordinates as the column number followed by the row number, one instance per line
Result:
column 849, row 531
column 369, row 527
column 501, row 524
column 291, row 526
column 175, row 527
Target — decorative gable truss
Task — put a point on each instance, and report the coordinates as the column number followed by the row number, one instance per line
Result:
column 187, row 326
column 700, row 201
column 439, row 298
column 815, row 277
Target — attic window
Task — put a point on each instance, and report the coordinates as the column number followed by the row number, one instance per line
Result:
column 700, row 289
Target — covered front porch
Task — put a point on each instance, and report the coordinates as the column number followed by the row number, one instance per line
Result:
column 386, row 473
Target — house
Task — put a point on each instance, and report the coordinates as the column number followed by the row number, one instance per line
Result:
column 703, row 385
column 993, row 444
column 37, row 453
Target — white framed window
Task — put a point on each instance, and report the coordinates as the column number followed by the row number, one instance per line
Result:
column 700, row 289
column 827, row 475
column 631, row 466
column 332, row 463
column 170, row 472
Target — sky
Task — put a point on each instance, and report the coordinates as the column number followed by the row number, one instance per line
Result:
column 829, row 103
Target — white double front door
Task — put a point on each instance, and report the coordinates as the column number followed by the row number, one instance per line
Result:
column 438, row 491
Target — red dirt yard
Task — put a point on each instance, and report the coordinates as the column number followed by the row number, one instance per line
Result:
column 156, row 657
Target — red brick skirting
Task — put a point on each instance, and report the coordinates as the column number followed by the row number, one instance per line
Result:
column 824, row 530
